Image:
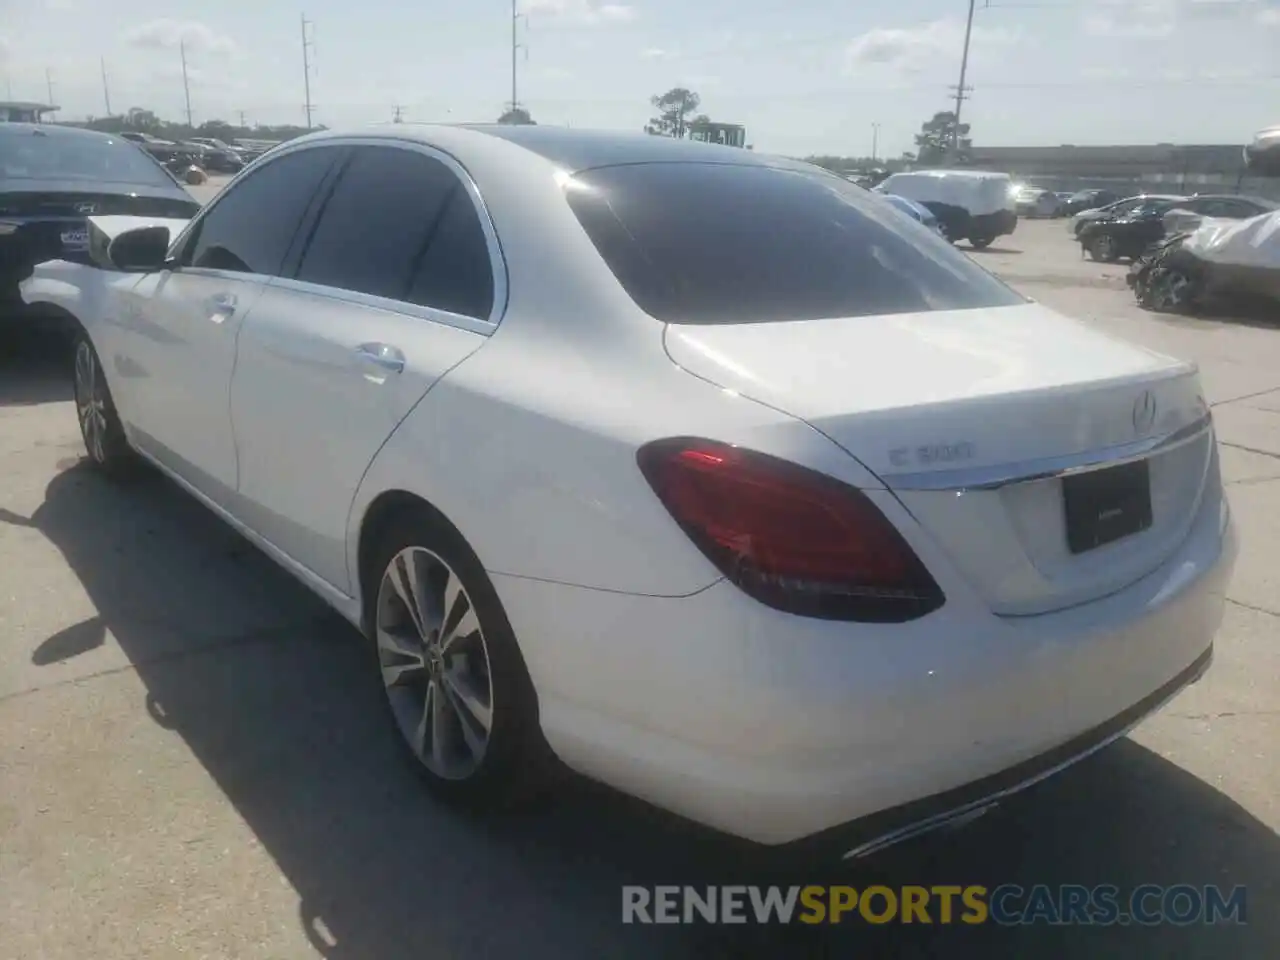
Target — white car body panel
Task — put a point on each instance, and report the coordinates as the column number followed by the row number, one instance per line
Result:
column 654, row 673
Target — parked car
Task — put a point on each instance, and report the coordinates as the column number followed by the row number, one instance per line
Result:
column 219, row 157
column 1262, row 153
column 1118, row 209
column 52, row 178
column 1033, row 202
column 1127, row 234
column 740, row 520
column 916, row 211
column 1087, row 200
column 1188, row 214
column 971, row 205
column 162, row 150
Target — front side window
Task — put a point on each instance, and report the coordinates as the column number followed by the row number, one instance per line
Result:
column 250, row 229
column 706, row 243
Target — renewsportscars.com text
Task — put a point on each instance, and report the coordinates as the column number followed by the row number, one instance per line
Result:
column 1005, row 905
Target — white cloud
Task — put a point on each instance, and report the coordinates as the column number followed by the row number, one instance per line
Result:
column 554, row 73
column 912, row 48
column 1132, row 18
column 654, row 53
column 1269, row 17
column 583, row 11
column 168, row 34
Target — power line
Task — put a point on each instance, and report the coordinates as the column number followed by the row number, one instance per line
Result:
column 307, row 43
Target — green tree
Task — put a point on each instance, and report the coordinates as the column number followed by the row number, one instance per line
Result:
column 518, row 116
column 936, row 136
column 674, row 108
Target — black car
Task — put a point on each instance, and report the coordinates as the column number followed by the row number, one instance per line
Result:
column 1087, row 200
column 1125, row 234
column 52, row 178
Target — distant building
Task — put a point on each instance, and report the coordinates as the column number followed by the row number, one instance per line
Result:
column 17, row 111
column 729, row 134
column 1161, row 167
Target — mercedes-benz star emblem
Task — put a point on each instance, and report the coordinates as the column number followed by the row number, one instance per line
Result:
column 1144, row 412
column 85, row 208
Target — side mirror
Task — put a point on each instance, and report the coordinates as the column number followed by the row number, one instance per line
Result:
column 140, row 250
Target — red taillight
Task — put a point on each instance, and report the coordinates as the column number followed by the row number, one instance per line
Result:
column 794, row 539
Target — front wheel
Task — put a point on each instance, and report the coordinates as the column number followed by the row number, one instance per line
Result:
column 1104, row 249
column 981, row 243
column 455, row 681
column 100, row 426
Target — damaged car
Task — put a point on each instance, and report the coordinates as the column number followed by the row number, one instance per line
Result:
column 1222, row 261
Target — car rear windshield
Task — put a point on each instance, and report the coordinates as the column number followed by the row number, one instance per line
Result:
column 34, row 155
column 703, row 243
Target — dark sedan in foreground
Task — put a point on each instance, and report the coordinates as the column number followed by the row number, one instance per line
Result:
column 52, row 178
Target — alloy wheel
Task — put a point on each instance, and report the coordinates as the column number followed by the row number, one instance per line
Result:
column 91, row 402
column 435, row 663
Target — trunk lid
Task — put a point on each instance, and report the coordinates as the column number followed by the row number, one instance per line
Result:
column 48, row 220
column 976, row 419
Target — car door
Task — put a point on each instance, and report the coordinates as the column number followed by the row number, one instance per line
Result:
column 399, row 280
column 178, row 336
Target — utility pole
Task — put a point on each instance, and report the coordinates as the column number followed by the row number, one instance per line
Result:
column 186, row 87
column 962, row 92
column 875, row 141
column 399, row 117
column 307, row 43
column 515, row 46
column 48, row 79
column 106, row 94
column 243, row 125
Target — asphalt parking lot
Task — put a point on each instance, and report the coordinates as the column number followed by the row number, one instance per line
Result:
column 193, row 760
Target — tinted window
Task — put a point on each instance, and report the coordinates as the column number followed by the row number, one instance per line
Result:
column 28, row 154
column 374, row 230
column 456, row 274
column 251, row 228
column 714, row 243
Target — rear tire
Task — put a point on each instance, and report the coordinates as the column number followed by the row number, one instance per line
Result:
column 455, row 683
column 100, row 427
column 981, row 243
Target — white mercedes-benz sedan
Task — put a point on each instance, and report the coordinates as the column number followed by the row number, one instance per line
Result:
column 700, row 470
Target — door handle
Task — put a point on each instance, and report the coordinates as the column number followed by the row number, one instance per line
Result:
column 381, row 355
column 221, row 306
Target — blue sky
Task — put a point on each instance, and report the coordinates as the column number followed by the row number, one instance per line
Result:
column 805, row 76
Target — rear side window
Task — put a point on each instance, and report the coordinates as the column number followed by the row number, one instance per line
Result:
column 251, row 229
column 456, row 273
column 400, row 225
column 716, row 243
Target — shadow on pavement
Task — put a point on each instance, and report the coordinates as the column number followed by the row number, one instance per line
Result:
column 272, row 694
column 35, row 365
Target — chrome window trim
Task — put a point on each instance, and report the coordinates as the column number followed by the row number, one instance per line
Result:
column 1050, row 468
column 370, row 302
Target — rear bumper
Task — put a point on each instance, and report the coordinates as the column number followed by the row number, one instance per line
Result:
column 993, row 225
column 779, row 729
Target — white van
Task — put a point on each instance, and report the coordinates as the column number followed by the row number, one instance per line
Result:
column 973, row 205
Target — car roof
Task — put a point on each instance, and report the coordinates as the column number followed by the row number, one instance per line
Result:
column 573, row 150
column 957, row 174
column 55, row 130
